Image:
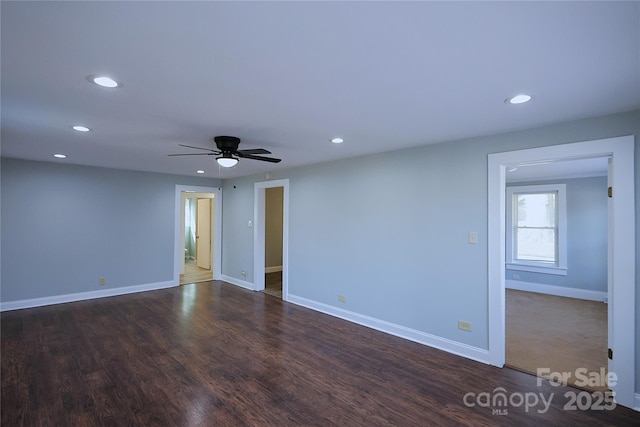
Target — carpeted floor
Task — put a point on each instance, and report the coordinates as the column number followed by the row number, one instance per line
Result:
column 562, row 334
column 273, row 284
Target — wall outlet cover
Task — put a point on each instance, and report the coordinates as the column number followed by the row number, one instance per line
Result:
column 465, row 326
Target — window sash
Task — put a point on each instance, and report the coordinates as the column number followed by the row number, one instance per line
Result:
column 528, row 252
column 554, row 261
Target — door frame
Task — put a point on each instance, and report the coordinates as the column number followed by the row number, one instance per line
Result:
column 621, row 289
column 216, row 229
column 259, row 216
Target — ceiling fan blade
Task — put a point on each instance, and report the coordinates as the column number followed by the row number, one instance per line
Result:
column 199, row 148
column 191, row 154
column 253, row 151
column 264, row 159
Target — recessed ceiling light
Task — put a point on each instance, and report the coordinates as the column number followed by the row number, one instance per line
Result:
column 60, row 156
column 200, row 171
column 104, row 81
column 519, row 99
column 81, row 128
column 337, row 140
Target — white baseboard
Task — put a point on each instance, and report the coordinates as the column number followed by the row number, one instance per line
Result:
column 81, row 296
column 238, row 282
column 560, row 291
column 637, row 405
column 273, row 269
column 454, row 347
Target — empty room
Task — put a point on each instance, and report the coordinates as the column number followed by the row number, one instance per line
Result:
column 319, row 213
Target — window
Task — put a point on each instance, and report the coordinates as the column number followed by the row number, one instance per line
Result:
column 536, row 228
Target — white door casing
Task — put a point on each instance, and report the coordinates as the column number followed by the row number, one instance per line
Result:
column 216, row 229
column 621, row 249
column 259, row 216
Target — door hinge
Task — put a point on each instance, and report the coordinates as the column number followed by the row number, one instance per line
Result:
column 610, row 354
column 610, row 192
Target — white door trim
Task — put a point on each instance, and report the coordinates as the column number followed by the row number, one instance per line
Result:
column 621, row 251
column 216, row 229
column 259, row 231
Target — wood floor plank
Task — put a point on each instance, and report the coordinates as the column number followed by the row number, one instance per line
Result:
column 215, row 354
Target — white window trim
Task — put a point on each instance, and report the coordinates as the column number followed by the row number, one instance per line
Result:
column 538, row 266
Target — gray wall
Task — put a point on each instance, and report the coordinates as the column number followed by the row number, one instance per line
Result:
column 389, row 231
column 586, row 237
column 65, row 226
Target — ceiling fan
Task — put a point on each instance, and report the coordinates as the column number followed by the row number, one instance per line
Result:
column 228, row 152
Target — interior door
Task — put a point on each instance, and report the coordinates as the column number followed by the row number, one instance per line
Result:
column 203, row 234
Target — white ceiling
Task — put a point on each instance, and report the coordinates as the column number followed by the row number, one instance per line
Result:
column 288, row 76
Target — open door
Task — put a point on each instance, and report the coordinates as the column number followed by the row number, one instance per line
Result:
column 203, row 234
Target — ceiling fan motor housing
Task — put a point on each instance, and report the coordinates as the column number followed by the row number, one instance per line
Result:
column 227, row 144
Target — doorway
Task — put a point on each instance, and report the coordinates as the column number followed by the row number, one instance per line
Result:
column 273, row 241
column 271, row 208
column 621, row 268
column 556, row 269
column 198, row 237
column 197, row 234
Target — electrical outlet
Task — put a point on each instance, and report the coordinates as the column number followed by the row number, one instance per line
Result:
column 342, row 298
column 102, row 281
column 465, row 326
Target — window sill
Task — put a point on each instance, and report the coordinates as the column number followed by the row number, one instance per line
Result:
column 558, row 271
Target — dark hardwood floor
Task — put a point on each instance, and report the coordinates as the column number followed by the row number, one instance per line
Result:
column 215, row 354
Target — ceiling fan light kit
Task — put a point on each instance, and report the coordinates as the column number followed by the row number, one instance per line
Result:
column 227, row 161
